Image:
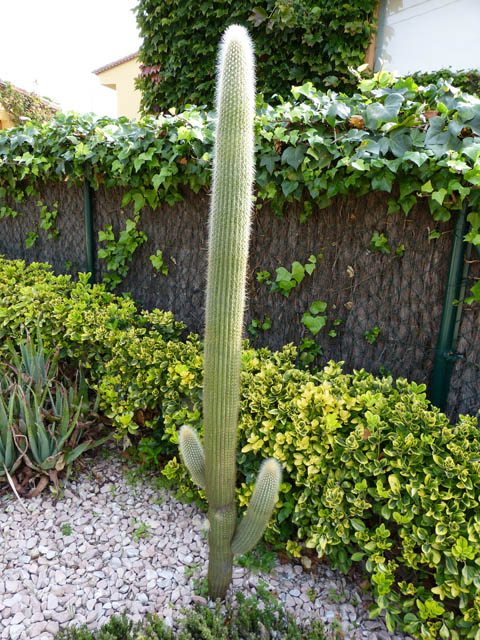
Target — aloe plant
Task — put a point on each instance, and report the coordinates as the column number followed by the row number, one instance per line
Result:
column 40, row 423
column 10, row 456
column 213, row 466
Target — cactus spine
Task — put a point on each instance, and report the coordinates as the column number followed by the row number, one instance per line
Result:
column 229, row 228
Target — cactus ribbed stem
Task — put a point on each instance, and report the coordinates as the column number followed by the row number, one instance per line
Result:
column 192, row 453
column 213, row 465
column 260, row 507
column 231, row 204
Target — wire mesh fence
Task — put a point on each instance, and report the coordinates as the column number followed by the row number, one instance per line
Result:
column 381, row 278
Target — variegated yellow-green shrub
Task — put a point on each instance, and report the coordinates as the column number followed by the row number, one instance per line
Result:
column 372, row 472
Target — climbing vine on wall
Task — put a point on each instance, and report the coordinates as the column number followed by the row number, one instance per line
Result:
column 388, row 136
column 294, row 40
column 468, row 80
column 21, row 104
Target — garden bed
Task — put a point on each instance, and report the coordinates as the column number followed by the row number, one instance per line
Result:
column 115, row 543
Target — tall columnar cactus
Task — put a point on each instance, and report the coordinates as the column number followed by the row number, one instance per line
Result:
column 231, row 205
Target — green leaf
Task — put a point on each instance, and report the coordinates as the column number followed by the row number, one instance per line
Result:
column 31, row 239
column 314, row 323
column 394, row 482
column 293, row 156
column 318, row 307
column 258, row 16
column 157, row 180
column 139, row 201
column 476, row 294
column 439, row 196
column 357, row 524
column 288, row 187
column 417, row 157
column 390, row 621
column 298, row 272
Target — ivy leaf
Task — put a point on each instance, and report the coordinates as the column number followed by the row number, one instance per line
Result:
column 417, row 157
column 318, row 307
column 283, row 274
column 268, row 161
column 293, row 156
column 476, row 294
column 383, row 181
column 298, row 272
column 400, row 143
column 439, row 196
column 31, row 239
column 288, row 187
column 314, row 323
column 139, row 201
column 377, row 113
column 258, row 16
column 157, row 180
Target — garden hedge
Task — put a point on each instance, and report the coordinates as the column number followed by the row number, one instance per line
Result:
column 467, row 80
column 372, row 472
column 295, row 40
column 391, row 135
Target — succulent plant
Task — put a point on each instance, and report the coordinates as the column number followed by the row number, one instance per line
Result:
column 213, row 466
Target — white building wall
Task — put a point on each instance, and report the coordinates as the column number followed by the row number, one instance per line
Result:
column 425, row 35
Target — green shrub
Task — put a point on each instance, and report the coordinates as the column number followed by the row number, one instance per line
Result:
column 85, row 322
column 372, row 472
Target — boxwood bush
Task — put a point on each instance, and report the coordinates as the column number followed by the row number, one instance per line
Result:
column 373, row 473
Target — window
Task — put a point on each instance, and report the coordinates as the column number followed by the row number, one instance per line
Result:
column 425, row 35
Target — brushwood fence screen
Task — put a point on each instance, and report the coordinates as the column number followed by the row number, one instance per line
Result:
column 384, row 299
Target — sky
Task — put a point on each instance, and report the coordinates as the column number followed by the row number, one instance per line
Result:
column 52, row 47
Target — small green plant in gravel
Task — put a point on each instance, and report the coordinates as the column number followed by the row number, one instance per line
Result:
column 142, row 530
column 67, row 529
column 337, row 596
column 258, row 616
column 200, row 587
column 190, row 570
column 258, row 559
column 312, row 594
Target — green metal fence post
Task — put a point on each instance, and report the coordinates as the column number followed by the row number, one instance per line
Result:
column 88, row 217
column 444, row 353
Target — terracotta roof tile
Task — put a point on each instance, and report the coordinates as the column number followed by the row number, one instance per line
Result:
column 117, row 63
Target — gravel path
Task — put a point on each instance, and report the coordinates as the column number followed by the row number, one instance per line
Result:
column 110, row 546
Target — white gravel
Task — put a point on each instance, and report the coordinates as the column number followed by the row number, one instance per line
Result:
column 111, row 547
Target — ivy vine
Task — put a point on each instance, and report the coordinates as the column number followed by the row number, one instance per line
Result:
column 294, row 40
column 391, row 136
column 118, row 253
column 21, row 104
